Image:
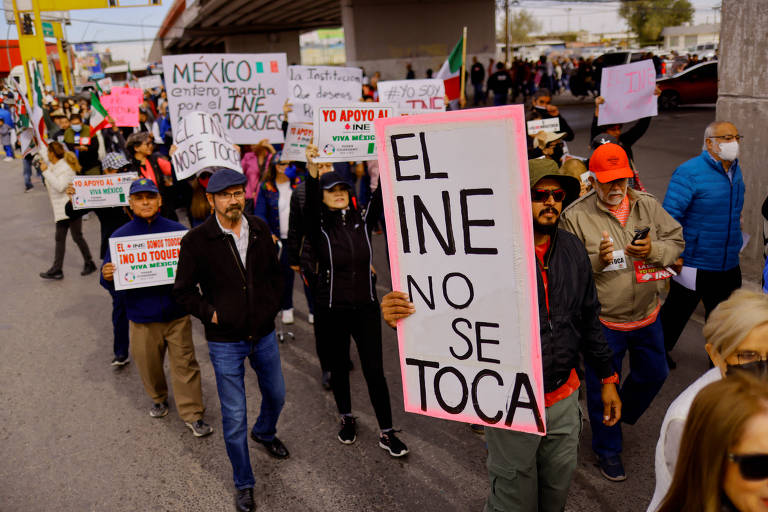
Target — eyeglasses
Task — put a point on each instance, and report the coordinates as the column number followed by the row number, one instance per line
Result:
column 234, row 195
column 540, row 195
column 750, row 356
column 728, row 138
column 752, row 466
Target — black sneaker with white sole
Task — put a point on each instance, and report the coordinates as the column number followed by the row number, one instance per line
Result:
column 348, row 432
column 199, row 428
column 159, row 410
column 389, row 441
column 119, row 362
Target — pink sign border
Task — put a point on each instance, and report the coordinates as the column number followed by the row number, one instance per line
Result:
column 511, row 112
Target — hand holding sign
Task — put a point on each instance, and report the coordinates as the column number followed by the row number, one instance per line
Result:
column 628, row 92
column 396, row 306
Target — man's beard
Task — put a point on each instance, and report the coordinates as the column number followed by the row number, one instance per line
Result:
column 546, row 229
column 233, row 213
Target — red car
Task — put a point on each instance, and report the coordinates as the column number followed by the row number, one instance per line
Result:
column 697, row 84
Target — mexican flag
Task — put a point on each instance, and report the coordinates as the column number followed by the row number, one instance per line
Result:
column 98, row 120
column 36, row 110
column 450, row 72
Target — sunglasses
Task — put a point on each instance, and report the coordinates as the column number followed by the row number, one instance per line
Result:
column 753, row 466
column 540, row 195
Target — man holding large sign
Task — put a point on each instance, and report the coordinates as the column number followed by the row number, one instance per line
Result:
column 157, row 322
column 244, row 91
column 488, row 275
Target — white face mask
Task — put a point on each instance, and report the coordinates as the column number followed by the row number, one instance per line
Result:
column 729, row 151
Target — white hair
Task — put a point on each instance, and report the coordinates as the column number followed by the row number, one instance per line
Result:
column 709, row 132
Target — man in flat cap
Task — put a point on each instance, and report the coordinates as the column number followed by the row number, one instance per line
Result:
column 233, row 260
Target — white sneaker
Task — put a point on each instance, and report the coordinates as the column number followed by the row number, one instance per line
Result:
column 8, row 159
column 288, row 316
column 311, row 318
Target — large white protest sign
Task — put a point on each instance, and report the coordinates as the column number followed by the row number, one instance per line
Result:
column 543, row 125
column 296, row 140
column 628, row 93
column 145, row 260
column 344, row 133
column 150, row 81
column 310, row 85
column 461, row 245
column 201, row 142
column 414, row 96
column 102, row 191
column 245, row 92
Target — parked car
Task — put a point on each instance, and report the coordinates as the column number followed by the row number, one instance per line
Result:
column 697, row 84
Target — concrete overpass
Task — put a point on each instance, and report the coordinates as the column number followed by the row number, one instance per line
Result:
column 380, row 35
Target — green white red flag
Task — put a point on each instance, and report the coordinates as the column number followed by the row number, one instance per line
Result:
column 450, row 72
column 98, row 120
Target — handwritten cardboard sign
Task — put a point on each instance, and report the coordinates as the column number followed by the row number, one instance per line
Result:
column 102, row 191
column 142, row 261
column 202, row 142
column 296, row 140
column 543, row 125
column 461, row 245
column 324, row 84
column 123, row 104
column 150, row 82
column 628, row 93
column 243, row 91
column 414, row 96
column 344, row 133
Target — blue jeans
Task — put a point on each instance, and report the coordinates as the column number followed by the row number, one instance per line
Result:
column 648, row 370
column 499, row 99
column 8, row 150
column 227, row 360
column 119, row 324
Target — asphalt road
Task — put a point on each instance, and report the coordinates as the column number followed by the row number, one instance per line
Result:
column 75, row 435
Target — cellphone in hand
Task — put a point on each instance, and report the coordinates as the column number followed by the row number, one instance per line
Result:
column 640, row 234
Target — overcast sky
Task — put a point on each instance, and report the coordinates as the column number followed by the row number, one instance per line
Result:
column 133, row 24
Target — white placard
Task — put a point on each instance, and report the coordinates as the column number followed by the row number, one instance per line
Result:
column 150, row 82
column 142, row 261
column 310, row 85
column 461, row 245
column 628, row 93
column 551, row 125
column 345, row 133
column 201, row 142
column 102, row 191
column 244, row 91
column 414, row 96
column 296, row 140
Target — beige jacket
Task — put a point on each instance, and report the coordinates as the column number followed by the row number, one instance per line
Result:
column 622, row 298
column 58, row 177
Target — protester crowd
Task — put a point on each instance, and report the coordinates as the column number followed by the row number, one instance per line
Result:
column 605, row 248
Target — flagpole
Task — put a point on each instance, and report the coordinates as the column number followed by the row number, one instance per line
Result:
column 462, row 98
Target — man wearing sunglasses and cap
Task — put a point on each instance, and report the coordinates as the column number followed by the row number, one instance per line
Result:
column 528, row 472
column 630, row 240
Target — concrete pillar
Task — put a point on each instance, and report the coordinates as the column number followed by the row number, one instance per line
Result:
column 743, row 100
column 385, row 35
column 276, row 42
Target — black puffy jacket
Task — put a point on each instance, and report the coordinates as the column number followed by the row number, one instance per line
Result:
column 342, row 243
column 572, row 324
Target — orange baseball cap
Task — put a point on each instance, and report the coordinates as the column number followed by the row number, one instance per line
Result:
column 609, row 162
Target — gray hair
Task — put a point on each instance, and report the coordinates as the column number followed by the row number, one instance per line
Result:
column 709, row 132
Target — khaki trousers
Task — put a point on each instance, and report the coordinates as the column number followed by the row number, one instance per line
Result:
column 148, row 346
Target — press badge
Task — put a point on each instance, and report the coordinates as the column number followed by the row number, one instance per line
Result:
column 619, row 261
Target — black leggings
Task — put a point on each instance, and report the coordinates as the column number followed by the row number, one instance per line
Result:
column 363, row 323
column 74, row 226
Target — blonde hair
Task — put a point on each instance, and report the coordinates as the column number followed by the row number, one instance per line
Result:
column 733, row 319
column 60, row 151
column 574, row 167
column 715, row 424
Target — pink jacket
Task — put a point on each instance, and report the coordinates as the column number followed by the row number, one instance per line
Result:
column 252, row 170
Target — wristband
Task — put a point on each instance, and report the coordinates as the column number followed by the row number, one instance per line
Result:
column 613, row 379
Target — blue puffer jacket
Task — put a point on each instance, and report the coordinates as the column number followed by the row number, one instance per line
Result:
column 267, row 204
column 708, row 206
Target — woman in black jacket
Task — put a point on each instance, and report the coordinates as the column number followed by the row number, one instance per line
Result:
column 345, row 299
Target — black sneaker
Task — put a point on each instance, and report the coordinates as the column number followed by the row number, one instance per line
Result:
column 159, row 410
column 244, row 500
column 348, row 432
column 52, row 274
column 119, row 362
column 199, row 428
column 88, row 268
column 612, row 468
column 389, row 441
